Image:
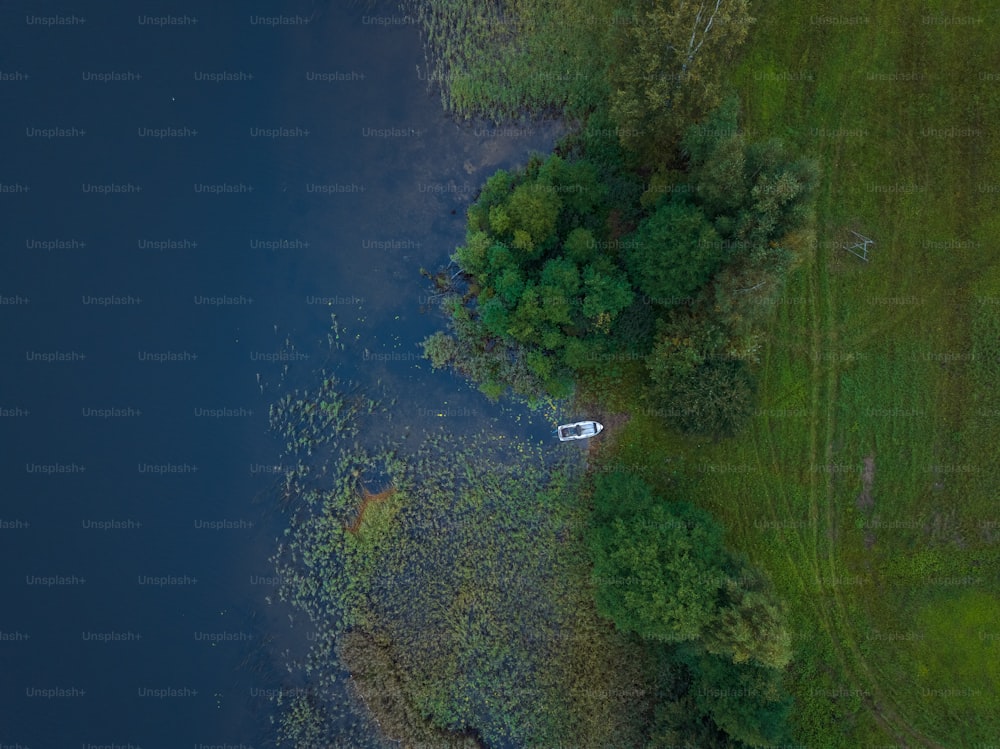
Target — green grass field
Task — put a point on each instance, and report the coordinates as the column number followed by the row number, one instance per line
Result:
column 867, row 483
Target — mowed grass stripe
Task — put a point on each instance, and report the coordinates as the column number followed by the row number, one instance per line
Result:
column 904, row 180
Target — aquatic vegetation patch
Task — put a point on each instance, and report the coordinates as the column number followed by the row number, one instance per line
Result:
column 499, row 61
column 381, row 687
column 458, row 596
column 375, row 512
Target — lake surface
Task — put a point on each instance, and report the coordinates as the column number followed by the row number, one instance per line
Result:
column 187, row 198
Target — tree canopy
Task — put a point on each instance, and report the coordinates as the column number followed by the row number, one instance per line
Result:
column 673, row 253
column 662, row 571
column 548, row 288
column 671, row 74
column 656, row 564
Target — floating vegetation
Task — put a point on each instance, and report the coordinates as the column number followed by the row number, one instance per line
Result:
column 457, row 593
column 373, row 504
column 305, row 723
column 333, row 337
column 382, row 690
column 308, row 420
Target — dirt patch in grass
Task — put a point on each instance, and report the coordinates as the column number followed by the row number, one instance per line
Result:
column 612, row 425
column 865, row 500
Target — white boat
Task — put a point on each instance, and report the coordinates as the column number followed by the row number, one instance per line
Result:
column 581, row 430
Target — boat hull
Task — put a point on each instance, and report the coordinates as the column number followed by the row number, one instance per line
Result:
column 581, row 430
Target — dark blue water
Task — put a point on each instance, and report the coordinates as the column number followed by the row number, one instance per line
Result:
column 173, row 247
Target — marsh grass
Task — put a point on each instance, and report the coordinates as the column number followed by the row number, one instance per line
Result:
column 502, row 61
column 458, row 595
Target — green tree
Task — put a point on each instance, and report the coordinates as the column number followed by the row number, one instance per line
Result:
column 472, row 256
column 754, row 193
column 669, row 69
column 527, row 317
column 494, row 316
column 781, row 195
column 656, row 564
column 495, row 191
column 680, row 723
column 562, row 274
column 747, row 701
column 510, row 285
column 716, row 637
column 717, row 168
column 533, row 211
column 673, row 253
column 580, row 245
column 619, row 169
column 606, row 292
column 578, row 185
column 750, row 624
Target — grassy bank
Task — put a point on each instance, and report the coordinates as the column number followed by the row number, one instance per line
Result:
column 866, row 483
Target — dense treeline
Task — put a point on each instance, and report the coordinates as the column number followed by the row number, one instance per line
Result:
column 577, row 265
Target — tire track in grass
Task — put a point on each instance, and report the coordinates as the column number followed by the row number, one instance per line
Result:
column 822, row 332
column 806, row 568
column 853, row 663
column 808, row 559
column 831, row 610
column 823, row 389
column 823, row 392
column 777, row 503
column 765, row 435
